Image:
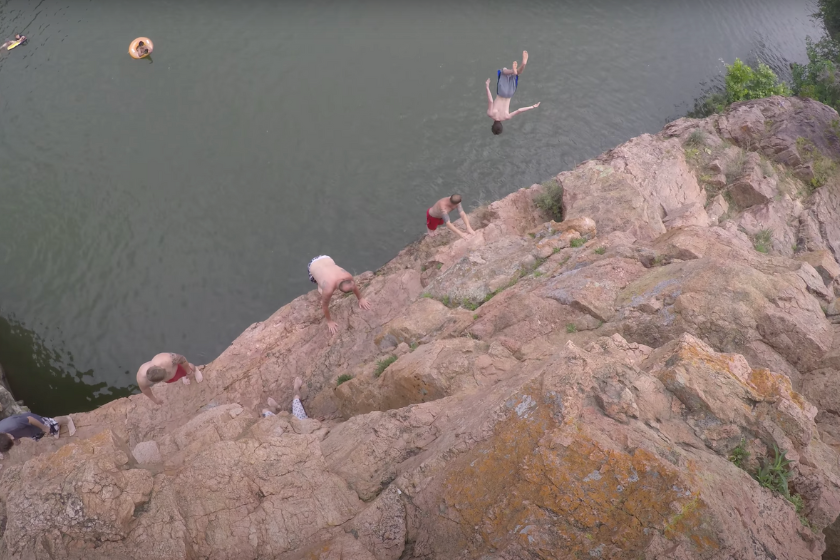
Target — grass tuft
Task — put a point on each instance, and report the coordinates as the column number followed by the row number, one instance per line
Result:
column 600, row 250
column 762, row 240
column 578, row 242
column 571, row 328
column 551, row 200
column 343, row 378
column 382, row 365
column 734, row 168
column 697, row 138
column 824, row 168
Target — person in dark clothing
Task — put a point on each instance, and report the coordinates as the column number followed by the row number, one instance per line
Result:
column 31, row 426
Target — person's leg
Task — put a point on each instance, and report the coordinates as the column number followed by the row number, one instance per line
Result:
column 66, row 421
column 297, row 407
column 524, row 62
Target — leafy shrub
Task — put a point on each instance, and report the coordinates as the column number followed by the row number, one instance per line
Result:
column 600, row 250
column 743, row 82
column 739, row 455
column 818, row 79
column 774, row 473
column 343, row 378
column 578, row 242
column 382, row 365
column 551, row 200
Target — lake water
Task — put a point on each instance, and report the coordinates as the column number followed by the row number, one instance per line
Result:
column 165, row 206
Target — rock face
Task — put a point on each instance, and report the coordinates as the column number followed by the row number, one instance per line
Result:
column 608, row 386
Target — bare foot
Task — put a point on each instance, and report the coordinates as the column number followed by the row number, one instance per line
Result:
column 298, row 383
column 71, row 427
column 524, row 58
column 198, row 377
column 273, row 404
column 515, row 67
column 185, row 380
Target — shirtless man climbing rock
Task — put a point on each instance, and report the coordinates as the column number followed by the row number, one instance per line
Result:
column 165, row 368
column 329, row 277
column 438, row 215
column 507, row 81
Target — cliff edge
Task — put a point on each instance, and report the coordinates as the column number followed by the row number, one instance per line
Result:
column 626, row 383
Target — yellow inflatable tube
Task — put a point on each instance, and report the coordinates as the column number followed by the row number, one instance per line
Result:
column 135, row 46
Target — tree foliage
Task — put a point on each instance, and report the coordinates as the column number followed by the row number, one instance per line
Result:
column 829, row 12
column 818, row 79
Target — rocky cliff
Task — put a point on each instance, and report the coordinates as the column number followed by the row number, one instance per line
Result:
column 610, row 386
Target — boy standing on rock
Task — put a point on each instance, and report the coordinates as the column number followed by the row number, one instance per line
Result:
column 165, row 368
column 507, row 81
column 329, row 276
column 438, row 215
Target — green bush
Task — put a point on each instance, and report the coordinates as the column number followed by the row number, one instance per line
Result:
column 741, row 83
column 774, row 473
column 818, row 79
column 551, row 200
column 577, row 242
column 740, row 455
column 343, row 378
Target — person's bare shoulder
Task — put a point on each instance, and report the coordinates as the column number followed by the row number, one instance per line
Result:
column 141, row 371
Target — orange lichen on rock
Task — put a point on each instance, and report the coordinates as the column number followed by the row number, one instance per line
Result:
column 587, row 497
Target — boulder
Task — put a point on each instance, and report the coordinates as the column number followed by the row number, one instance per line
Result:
column 824, row 264
column 752, row 187
column 627, row 188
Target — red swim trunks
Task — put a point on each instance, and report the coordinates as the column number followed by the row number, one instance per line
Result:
column 431, row 222
column 178, row 374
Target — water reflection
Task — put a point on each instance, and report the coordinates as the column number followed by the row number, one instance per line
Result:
column 45, row 378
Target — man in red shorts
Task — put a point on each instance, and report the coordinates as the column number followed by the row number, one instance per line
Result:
column 165, row 368
column 438, row 215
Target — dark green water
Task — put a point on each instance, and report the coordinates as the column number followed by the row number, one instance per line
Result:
column 167, row 206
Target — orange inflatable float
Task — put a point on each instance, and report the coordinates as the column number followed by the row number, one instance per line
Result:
column 140, row 47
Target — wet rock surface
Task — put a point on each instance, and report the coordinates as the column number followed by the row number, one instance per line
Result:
column 539, row 390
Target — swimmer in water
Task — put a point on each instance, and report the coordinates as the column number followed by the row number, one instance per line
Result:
column 143, row 49
column 19, row 39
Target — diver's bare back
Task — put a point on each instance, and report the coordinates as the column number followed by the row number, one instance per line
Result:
column 328, row 274
column 500, row 109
